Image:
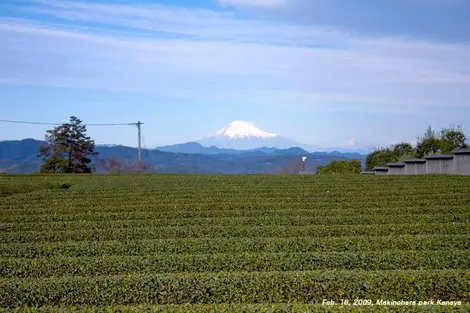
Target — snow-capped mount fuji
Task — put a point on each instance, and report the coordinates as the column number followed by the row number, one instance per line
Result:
column 241, row 135
column 241, row 129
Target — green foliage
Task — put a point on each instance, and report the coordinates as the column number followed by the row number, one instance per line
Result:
column 403, row 150
column 235, row 245
column 445, row 142
column 430, row 133
column 8, row 187
column 233, row 262
column 54, row 164
column 202, row 231
column 432, row 143
column 453, row 138
column 68, row 149
column 65, row 186
column 248, row 308
column 302, row 219
column 428, row 146
column 341, row 167
column 267, row 243
column 380, row 158
column 396, row 153
column 237, row 287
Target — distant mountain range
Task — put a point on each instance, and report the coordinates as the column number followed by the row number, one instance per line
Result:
column 239, row 137
column 238, row 148
column 197, row 148
column 20, row 156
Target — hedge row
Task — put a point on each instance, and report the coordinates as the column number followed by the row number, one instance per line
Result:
column 70, row 205
column 150, row 212
column 235, row 245
column 245, row 221
column 234, row 231
column 249, row 262
column 253, row 287
column 248, row 308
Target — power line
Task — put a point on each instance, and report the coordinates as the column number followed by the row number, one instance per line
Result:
column 138, row 124
column 122, row 124
column 23, row 122
column 53, row 124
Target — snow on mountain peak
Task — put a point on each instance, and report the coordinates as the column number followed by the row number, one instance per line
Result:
column 241, row 129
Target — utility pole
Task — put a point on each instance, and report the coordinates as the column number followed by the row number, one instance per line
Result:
column 139, row 134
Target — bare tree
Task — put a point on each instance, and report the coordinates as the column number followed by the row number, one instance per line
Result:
column 114, row 165
column 295, row 167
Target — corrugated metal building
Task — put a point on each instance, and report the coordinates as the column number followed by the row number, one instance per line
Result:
column 462, row 161
column 457, row 163
column 440, row 164
column 396, row 168
column 380, row 170
column 415, row 166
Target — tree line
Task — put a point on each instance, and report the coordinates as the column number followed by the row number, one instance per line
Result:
column 432, row 143
column 341, row 167
column 69, row 150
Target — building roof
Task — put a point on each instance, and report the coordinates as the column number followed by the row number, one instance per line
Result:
column 439, row 157
column 395, row 164
column 380, row 169
column 462, row 151
column 414, row 160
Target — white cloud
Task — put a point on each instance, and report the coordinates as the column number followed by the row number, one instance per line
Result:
column 352, row 142
column 254, row 3
column 200, row 54
column 179, row 22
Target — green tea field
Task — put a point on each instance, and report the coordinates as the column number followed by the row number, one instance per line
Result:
column 254, row 243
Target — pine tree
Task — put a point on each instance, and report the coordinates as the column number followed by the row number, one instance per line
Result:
column 68, row 149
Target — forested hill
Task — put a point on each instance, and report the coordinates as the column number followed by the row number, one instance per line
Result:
column 21, row 157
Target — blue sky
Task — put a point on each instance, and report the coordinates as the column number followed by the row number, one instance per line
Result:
column 322, row 72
